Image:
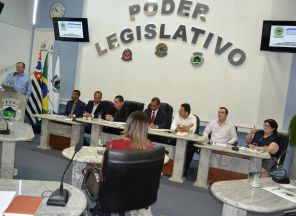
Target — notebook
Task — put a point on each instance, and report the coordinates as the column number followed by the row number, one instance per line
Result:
column 23, row 205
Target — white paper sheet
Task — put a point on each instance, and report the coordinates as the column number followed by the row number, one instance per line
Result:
column 282, row 193
column 5, row 198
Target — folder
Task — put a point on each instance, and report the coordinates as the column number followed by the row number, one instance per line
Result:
column 23, row 205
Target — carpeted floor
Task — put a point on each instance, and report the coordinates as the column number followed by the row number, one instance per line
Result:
column 174, row 199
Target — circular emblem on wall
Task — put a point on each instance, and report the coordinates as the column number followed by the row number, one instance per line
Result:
column 127, row 55
column 197, row 59
column 279, row 31
column 161, row 50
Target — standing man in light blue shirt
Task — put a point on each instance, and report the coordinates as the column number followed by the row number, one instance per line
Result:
column 20, row 81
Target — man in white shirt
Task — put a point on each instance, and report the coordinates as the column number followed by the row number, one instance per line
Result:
column 221, row 130
column 185, row 122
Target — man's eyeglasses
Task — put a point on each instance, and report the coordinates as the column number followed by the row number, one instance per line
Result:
column 266, row 126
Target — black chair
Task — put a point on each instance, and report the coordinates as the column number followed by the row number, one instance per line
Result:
column 107, row 104
column 129, row 180
column 134, row 106
column 283, row 141
column 169, row 110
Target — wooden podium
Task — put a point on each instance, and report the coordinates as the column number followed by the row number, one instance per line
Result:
column 12, row 103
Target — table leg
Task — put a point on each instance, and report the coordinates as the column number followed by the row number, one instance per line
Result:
column 44, row 138
column 95, row 133
column 231, row 210
column 179, row 160
column 77, row 177
column 203, row 169
column 77, row 132
column 7, row 162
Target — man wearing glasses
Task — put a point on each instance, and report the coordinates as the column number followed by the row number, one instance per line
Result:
column 221, row 131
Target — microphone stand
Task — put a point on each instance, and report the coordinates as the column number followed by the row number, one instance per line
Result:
column 60, row 196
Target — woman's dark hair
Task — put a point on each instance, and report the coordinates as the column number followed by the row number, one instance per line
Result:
column 272, row 123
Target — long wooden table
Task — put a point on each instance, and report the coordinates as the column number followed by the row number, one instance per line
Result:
column 181, row 144
column 59, row 125
column 227, row 159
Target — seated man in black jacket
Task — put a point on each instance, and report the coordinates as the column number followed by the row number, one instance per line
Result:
column 157, row 117
column 94, row 108
column 118, row 113
column 75, row 106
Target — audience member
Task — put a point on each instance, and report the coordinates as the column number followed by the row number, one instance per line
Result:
column 20, row 81
column 221, row 131
column 265, row 140
column 74, row 106
column 185, row 122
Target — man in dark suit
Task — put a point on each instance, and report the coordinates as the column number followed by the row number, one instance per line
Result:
column 95, row 107
column 157, row 117
column 75, row 106
column 118, row 113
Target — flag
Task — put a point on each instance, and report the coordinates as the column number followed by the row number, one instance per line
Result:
column 34, row 102
column 56, row 87
column 49, row 78
column 44, row 86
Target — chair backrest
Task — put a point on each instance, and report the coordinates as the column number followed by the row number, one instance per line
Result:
column 134, row 106
column 283, row 140
column 108, row 104
column 169, row 110
column 197, row 124
column 130, row 179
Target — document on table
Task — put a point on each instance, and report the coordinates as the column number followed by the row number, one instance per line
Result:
column 5, row 199
column 162, row 129
column 282, row 193
column 220, row 144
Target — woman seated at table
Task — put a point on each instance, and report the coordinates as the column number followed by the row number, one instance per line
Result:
column 265, row 140
column 135, row 134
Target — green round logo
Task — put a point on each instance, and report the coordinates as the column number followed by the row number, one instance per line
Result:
column 279, row 31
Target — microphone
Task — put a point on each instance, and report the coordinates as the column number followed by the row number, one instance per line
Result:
column 60, row 196
column 4, row 131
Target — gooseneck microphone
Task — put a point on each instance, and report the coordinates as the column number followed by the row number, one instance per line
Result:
column 60, row 196
column 4, row 131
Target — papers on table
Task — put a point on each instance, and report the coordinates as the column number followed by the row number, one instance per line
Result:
column 282, row 193
column 163, row 130
column 5, row 199
column 220, row 144
column 181, row 133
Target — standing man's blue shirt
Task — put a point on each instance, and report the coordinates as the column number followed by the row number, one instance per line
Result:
column 21, row 83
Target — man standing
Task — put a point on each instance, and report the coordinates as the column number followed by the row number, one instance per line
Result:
column 20, row 81
column 157, row 117
column 75, row 106
column 185, row 122
column 221, row 130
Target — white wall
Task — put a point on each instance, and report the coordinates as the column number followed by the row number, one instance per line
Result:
column 243, row 89
column 16, row 33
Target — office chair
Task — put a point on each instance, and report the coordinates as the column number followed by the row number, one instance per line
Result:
column 134, row 106
column 107, row 104
column 129, row 180
column 283, row 140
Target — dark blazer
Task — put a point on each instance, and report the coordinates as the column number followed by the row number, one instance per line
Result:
column 160, row 119
column 100, row 108
column 79, row 108
column 118, row 115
